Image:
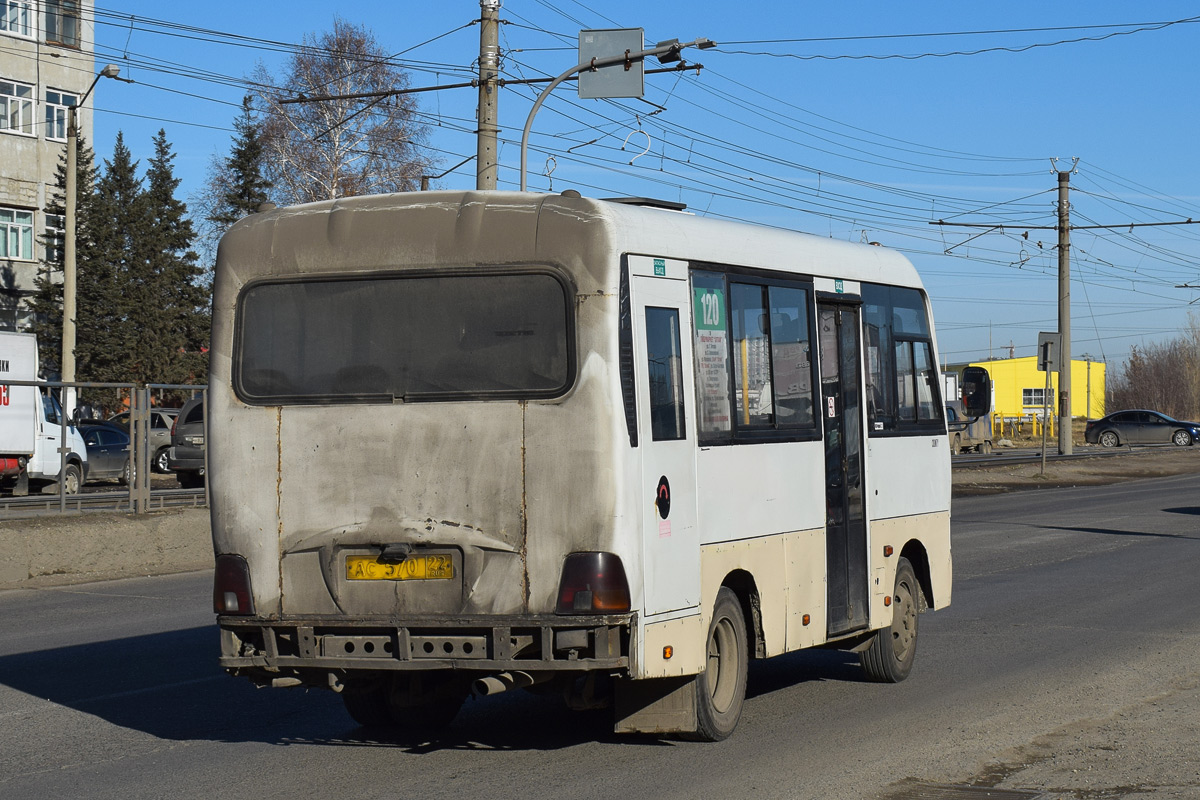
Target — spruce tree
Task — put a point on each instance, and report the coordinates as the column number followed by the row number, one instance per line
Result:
column 142, row 311
column 245, row 186
column 106, row 294
column 236, row 186
column 174, row 320
column 90, row 228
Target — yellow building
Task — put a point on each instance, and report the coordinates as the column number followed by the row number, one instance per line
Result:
column 1018, row 387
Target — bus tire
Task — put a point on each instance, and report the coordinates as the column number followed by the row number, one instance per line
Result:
column 424, row 703
column 368, row 705
column 721, row 688
column 890, row 656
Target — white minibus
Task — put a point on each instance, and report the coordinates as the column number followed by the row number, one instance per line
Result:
column 476, row 441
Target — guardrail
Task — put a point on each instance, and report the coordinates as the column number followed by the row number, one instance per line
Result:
column 119, row 502
column 138, row 497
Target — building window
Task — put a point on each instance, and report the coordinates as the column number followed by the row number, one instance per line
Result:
column 57, row 113
column 17, row 17
column 62, row 22
column 1033, row 397
column 55, row 225
column 16, row 234
column 16, row 107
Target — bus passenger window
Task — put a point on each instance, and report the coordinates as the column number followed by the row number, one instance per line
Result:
column 927, row 406
column 914, row 370
column 880, row 369
column 710, row 349
column 666, row 374
column 751, row 356
column 902, row 391
column 905, row 390
column 791, row 365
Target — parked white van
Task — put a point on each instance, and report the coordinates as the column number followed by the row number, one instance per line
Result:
column 31, row 424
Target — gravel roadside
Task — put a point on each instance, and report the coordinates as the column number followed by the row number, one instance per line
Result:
column 1102, row 467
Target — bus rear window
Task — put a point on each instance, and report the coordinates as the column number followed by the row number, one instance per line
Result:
column 409, row 337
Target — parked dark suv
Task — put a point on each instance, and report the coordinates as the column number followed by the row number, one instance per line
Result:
column 186, row 456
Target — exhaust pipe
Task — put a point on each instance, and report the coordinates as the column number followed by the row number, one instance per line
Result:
column 495, row 684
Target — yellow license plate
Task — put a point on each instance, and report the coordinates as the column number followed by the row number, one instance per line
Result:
column 413, row 568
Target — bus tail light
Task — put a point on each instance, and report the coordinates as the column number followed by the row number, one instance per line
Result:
column 231, row 586
column 593, row 583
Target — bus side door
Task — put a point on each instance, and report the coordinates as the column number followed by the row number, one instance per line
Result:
column 838, row 329
column 666, row 433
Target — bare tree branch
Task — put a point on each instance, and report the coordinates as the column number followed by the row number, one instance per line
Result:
column 341, row 147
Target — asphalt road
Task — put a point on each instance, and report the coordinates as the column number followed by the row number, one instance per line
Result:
column 1071, row 608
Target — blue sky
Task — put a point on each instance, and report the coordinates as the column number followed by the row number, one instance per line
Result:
column 863, row 126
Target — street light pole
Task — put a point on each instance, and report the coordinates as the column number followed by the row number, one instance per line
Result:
column 627, row 57
column 68, row 336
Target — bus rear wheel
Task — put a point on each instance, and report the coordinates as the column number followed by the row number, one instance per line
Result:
column 367, row 704
column 414, row 706
column 890, row 656
column 721, row 688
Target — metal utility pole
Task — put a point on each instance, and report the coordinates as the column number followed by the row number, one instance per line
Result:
column 488, row 132
column 1064, row 314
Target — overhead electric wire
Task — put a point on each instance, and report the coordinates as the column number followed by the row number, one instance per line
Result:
column 981, row 51
column 943, row 34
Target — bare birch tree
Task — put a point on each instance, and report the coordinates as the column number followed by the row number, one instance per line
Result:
column 326, row 149
column 1164, row 376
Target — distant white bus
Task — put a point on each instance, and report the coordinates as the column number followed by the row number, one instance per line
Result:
column 478, row 441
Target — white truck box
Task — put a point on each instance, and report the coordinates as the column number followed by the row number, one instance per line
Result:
column 30, row 429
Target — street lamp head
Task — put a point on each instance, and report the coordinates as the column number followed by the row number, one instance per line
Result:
column 672, row 54
column 109, row 71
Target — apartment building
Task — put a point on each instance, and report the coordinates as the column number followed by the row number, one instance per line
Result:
column 46, row 65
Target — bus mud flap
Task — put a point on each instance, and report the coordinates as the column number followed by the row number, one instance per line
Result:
column 658, row 705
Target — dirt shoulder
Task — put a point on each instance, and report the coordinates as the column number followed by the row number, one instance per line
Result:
column 1097, row 470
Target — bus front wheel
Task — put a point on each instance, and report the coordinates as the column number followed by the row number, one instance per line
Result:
column 721, row 688
column 890, row 656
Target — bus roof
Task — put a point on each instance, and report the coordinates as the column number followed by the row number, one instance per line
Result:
column 359, row 232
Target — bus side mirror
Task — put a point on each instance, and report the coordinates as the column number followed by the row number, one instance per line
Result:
column 976, row 392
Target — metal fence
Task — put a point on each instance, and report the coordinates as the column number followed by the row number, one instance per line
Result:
column 138, row 496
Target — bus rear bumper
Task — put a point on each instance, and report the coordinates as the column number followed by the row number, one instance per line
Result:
column 308, row 651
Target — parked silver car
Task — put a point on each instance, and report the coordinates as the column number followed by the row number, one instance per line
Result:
column 161, row 421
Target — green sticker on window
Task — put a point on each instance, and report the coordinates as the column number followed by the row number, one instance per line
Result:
column 660, row 267
column 709, row 309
